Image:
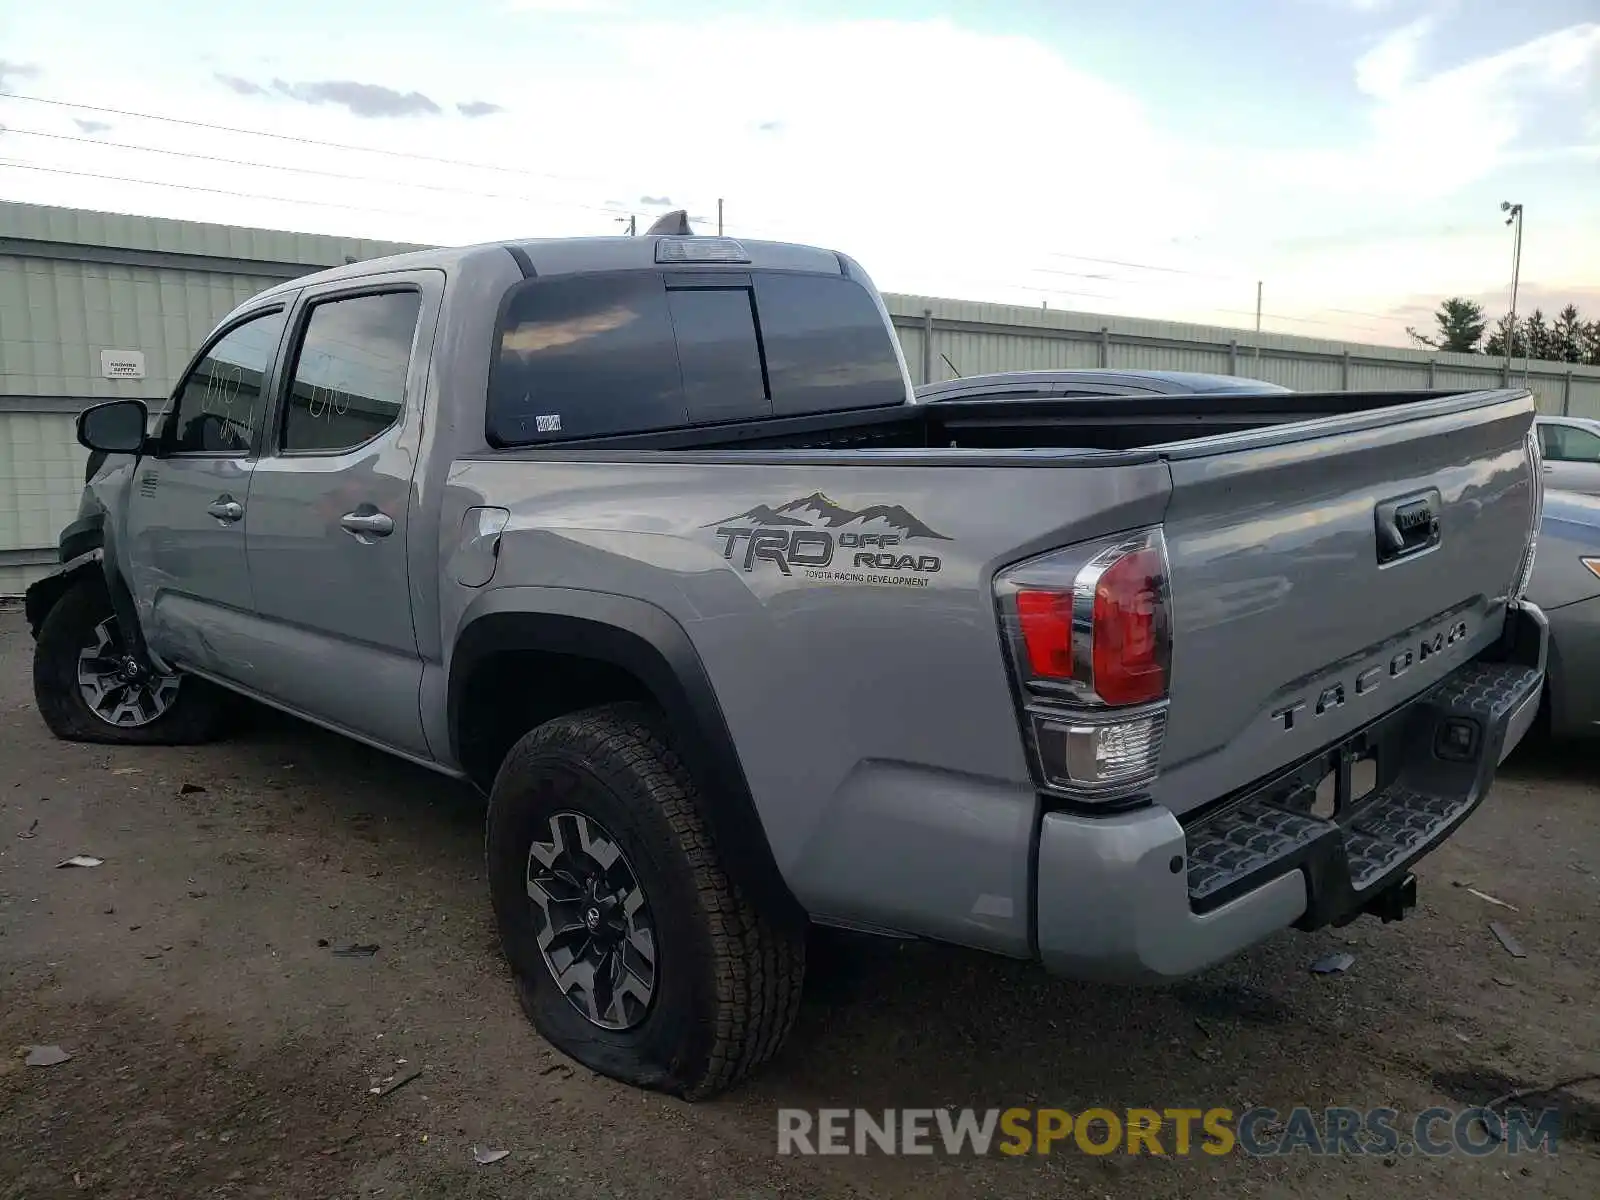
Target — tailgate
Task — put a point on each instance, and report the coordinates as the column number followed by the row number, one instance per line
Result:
column 1311, row 592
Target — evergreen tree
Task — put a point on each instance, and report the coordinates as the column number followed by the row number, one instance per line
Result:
column 1461, row 324
column 1567, row 336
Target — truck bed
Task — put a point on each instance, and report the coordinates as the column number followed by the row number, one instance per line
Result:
column 1098, row 423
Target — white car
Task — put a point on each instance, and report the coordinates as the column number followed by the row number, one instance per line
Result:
column 1571, row 450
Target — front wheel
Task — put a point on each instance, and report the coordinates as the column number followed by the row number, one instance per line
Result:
column 90, row 689
column 632, row 950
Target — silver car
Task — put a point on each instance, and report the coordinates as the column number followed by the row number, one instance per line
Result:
column 1566, row 584
column 1571, row 449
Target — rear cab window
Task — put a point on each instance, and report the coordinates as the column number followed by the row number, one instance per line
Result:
column 640, row 351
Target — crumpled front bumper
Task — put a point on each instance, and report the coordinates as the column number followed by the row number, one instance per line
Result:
column 1144, row 896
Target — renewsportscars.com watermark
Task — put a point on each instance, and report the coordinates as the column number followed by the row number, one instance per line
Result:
column 1258, row 1132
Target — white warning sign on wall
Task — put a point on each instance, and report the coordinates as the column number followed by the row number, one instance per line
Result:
column 122, row 364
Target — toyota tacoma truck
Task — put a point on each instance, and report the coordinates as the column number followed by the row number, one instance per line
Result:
column 647, row 539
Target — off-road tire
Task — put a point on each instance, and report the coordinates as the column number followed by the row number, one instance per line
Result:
column 196, row 714
column 728, row 976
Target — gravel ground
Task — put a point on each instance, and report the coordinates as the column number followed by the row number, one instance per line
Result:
column 220, row 1047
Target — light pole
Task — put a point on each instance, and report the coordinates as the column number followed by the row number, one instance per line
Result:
column 1513, row 216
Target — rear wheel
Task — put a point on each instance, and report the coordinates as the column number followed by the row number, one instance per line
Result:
column 633, row 952
column 90, row 689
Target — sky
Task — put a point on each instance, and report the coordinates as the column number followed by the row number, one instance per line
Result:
column 1152, row 158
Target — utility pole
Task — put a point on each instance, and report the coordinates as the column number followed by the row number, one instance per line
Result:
column 719, row 216
column 632, row 222
column 1258, row 325
column 1514, row 216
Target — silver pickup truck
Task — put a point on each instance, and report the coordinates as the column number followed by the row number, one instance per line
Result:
column 646, row 539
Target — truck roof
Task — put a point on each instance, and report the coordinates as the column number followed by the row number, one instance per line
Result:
column 566, row 256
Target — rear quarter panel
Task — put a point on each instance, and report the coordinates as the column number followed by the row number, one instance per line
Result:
column 854, row 694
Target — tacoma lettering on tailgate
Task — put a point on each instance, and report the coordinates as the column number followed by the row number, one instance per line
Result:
column 1334, row 695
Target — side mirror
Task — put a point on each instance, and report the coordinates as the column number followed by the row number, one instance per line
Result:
column 114, row 428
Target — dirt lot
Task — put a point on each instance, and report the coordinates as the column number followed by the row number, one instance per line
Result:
column 220, row 1048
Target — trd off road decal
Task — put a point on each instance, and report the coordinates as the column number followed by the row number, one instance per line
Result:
column 817, row 539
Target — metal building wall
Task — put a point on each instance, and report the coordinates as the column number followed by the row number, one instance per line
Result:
column 75, row 283
column 945, row 337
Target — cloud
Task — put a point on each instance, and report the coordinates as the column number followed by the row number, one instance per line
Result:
column 1500, row 97
column 662, row 200
column 478, row 108
column 1385, row 70
column 91, row 126
column 360, row 99
column 1403, row 159
column 244, row 87
column 14, row 72
column 809, row 182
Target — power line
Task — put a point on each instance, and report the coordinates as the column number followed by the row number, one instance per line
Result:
column 300, row 140
column 1117, row 262
column 1036, row 290
column 241, row 162
column 194, row 187
column 1138, row 266
column 1387, row 317
column 1241, row 312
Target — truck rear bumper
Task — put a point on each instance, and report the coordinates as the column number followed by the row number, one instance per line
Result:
column 1144, row 896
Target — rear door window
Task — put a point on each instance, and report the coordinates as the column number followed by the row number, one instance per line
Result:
column 349, row 379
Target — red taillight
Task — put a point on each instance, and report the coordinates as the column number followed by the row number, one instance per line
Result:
column 1089, row 632
column 1129, row 642
column 1122, row 653
column 1046, row 620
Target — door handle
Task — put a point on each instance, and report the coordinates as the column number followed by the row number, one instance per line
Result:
column 367, row 523
column 226, row 509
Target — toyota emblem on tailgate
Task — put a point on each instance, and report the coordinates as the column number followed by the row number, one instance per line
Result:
column 1407, row 525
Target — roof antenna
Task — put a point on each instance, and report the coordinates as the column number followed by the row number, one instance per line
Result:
column 675, row 223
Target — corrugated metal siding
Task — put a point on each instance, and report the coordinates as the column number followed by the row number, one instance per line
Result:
column 56, row 317
column 44, row 223
column 1147, row 357
column 41, row 477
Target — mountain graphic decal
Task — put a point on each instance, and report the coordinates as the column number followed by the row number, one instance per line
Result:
column 817, row 511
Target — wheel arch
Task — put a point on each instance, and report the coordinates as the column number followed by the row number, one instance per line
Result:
column 42, row 595
column 624, row 648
